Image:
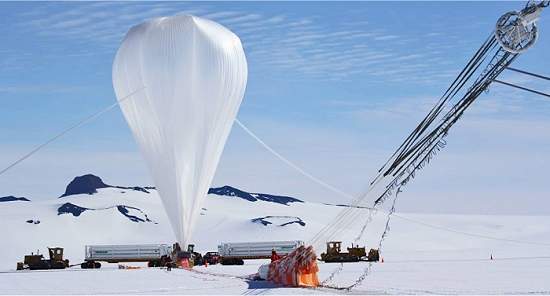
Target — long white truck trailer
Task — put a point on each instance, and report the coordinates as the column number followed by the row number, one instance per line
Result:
column 235, row 253
column 154, row 254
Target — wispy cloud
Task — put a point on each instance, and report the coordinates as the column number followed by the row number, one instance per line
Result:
column 386, row 37
column 40, row 89
column 241, row 19
column 306, row 45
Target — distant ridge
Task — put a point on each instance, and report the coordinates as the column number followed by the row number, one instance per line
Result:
column 231, row 191
column 69, row 208
column 12, row 198
column 279, row 220
column 127, row 211
column 88, row 184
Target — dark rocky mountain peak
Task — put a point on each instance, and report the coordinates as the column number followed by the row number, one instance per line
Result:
column 231, row 191
column 88, row 184
column 12, row 198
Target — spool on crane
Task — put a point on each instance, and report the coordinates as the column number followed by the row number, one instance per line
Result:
column 516, row 31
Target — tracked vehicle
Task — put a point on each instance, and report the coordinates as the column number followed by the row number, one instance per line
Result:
column 38, row 262
column 355, row 253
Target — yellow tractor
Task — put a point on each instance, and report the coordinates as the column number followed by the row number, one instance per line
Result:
column 37, row 261
column 374, row 255
column 334, row 253
column 185, row 259
column 355, row 253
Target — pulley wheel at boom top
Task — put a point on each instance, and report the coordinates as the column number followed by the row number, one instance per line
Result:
column 517, row 31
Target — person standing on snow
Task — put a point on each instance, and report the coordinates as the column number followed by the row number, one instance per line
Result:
column 274, row 256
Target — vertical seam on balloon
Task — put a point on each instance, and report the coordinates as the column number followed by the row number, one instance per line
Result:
column 183, row 218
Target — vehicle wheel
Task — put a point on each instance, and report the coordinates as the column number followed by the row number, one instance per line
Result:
column 97, row 265
column 163, row 261
column 232, row 261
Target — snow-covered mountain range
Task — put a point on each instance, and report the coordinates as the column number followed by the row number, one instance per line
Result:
column 90, row 184
column 90, row 211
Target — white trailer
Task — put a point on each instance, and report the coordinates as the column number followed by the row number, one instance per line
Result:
column 154, row 254
column 235, row 253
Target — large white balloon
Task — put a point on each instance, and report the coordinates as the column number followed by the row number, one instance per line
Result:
column 193, row 74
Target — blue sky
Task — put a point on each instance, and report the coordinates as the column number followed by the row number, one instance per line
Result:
column 333, row 86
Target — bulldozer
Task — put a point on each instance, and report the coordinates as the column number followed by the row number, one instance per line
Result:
column 355, row 253
column 38, row 262
column 334, row 253
column 374, row 255
column 186, row 259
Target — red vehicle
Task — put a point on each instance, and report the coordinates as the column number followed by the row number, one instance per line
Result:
column 212, row 257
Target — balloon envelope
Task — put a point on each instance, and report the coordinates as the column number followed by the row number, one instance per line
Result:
column 193, row 74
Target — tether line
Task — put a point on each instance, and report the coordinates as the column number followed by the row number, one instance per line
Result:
column 67, row 130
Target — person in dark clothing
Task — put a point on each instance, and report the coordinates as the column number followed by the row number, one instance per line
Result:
column 274, row 256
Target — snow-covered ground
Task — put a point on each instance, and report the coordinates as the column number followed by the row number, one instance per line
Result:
column 529, row 276
column 418, row 257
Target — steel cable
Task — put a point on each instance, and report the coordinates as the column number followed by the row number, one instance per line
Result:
column 67, row 130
